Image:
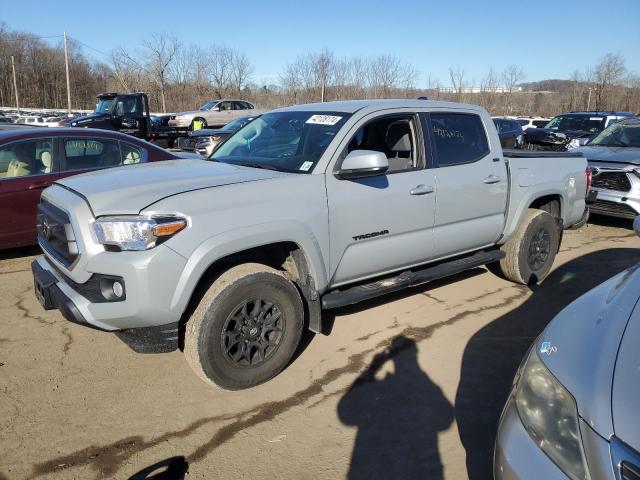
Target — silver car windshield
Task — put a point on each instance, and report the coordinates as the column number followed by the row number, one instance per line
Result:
column 285, row 141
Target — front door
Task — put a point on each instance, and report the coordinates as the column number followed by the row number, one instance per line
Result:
column 26, row 168
column 384, row 223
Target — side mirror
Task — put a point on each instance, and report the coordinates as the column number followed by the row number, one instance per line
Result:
column 636, row 225
column 363, row 163
column 215, row 109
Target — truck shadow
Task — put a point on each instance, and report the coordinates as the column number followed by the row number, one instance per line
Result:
column 20, row 252
column 398, row 417
column 491, row 357
column 605, row 221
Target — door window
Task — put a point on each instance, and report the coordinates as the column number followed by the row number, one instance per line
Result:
column 225, row 106
column 459, row 138
column 395, row 136
column 27, row 158
column 83, row 153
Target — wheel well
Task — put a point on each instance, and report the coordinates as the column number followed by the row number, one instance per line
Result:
column 549, row 203
column 284, row 256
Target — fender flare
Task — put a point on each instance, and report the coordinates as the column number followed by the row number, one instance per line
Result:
column 238, row 240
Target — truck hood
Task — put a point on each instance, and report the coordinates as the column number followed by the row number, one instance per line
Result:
column 549, row 136
column 626, row 385
column 129, row 189
column 587, row 335
column 611, row 154
column 86, row 120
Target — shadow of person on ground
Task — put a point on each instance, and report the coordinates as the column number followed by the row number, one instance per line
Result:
column 173, row 468
column 398, row 418
column 492, row 355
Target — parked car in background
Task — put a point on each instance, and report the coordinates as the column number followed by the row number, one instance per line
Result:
column 573, row 410
column 614, row 159
column 206, row 140
column 32, row 159
column 570, row 130
column 33, row 121
column 532, row 122
column 509, row 131
column 214, row 113
column 54, row 121
column 306, row 208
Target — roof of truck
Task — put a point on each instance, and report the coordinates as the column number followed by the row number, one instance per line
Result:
column 352, row 106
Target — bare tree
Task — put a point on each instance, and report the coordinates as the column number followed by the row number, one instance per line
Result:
column 512, row 76
column 458, row 82
column 608, row 74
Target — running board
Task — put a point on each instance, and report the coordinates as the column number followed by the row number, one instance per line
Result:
column 409, row 278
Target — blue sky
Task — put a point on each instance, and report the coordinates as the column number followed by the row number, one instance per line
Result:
column 549, row 39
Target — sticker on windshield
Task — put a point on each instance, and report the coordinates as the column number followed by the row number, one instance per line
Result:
column 324, row 119
column 306, row 166
column 595, row 118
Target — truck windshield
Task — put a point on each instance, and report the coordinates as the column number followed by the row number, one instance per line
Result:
column 285, row 141
column 105, row 105
column 209, row 105
column 618, row 135
column 583, row 123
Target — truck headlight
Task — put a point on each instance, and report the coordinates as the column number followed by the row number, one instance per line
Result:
column 549, row 413
column 136, row 232
column 574, row 143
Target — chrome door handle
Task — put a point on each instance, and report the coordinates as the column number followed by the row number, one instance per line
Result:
column 492, row 179
column 421, row 189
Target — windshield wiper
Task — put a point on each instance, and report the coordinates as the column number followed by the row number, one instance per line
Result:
column 256, row 165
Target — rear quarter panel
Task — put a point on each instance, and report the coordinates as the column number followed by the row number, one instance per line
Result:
column 533, row 178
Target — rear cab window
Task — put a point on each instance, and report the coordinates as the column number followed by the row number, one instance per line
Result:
column 458, row 138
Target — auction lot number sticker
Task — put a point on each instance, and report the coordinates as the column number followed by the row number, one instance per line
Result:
column 324, row 119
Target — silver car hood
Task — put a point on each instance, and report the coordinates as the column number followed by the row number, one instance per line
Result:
column 587, row 335
column 129, row 189
column 611, row 154
column 626, row 385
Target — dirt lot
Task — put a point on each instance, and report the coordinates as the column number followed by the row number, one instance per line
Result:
column 406, row 387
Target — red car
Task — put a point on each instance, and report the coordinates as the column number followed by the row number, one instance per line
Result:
column 32, row 159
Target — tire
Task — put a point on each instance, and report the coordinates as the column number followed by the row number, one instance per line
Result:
column 227, row 317
column 532, row 249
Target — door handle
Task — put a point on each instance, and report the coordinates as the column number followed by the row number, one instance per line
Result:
column 421, row 189
column 492, row 179
column 37, row 185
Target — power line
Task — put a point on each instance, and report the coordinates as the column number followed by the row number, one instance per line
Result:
column 30, row 37
column 89, row 46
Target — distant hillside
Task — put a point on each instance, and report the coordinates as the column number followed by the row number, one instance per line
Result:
column 551, row 85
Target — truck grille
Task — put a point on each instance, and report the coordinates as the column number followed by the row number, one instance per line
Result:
column 187, row 143
column 626, row 460
column 55, row 234
column 618, row 181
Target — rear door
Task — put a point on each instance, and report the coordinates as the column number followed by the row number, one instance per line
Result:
column 26, row 168
column 383, row 223
column 471, row 182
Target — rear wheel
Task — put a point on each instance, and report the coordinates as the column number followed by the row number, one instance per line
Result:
column 246, row 328
column 532, row 249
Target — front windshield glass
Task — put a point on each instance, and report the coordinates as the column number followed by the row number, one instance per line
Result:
column 105, row 105
column 619, row 135
column 285, row 141
column 583, row 123
column 209, row 105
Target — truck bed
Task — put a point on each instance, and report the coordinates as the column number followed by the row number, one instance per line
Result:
column 517, row 153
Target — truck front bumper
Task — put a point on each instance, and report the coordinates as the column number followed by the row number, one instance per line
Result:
column 139, row 319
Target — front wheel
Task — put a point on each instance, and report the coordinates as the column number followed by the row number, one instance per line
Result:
column 532, row 249
column 246, row 328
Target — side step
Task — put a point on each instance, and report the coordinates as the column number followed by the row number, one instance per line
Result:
column 409, row 278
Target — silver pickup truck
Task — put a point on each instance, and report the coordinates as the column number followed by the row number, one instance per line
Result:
column 307, row 208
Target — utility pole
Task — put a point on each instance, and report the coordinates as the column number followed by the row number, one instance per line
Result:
column 322, row 92
column 66, row 64
column 15, row 84
column 589, row 99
